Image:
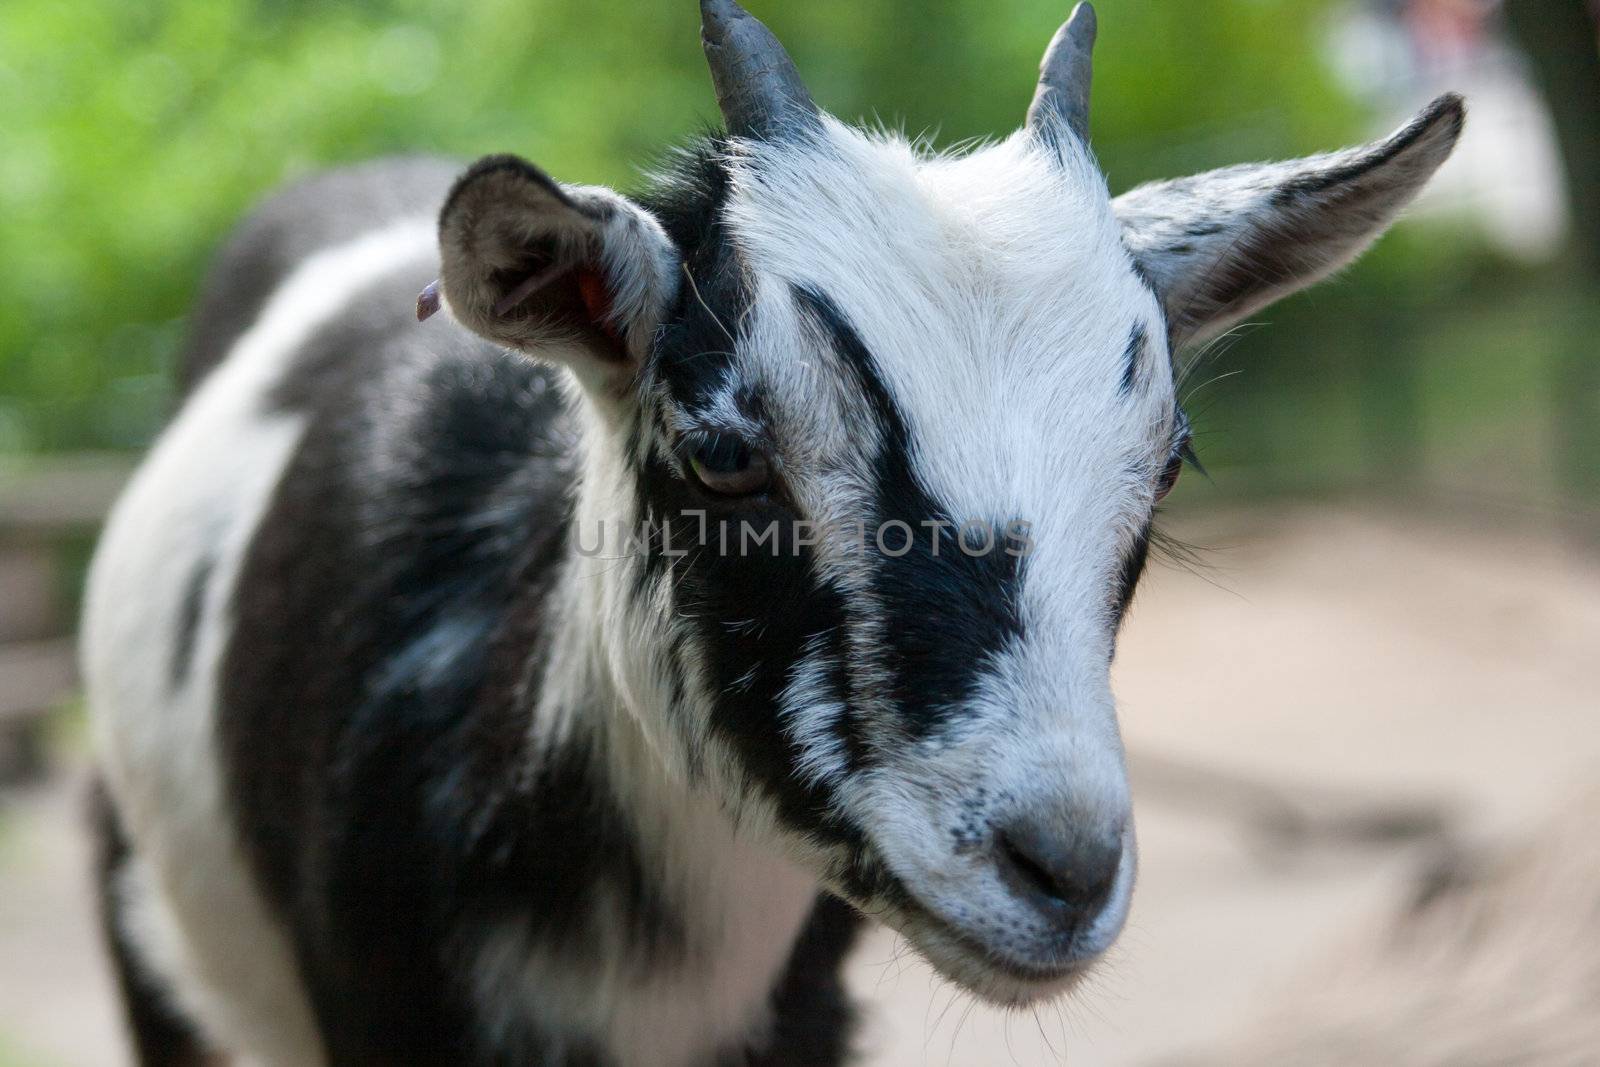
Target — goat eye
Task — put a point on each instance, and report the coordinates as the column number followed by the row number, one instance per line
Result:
column 726, row 466
column 1169, row 476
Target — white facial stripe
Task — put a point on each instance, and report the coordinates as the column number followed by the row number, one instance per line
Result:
column 997, row 303
column 811, row 712
column 994, row 306
column 996, row 298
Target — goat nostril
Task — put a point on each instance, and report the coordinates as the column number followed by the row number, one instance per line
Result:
column 1031, row 872
column 1077, row 874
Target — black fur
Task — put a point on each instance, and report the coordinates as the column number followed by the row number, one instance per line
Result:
column 1133, row 566
column 936, row 656
column 316, row 213
column 756, row 613
column 194, row 596
column 695, row 346
column 389, row 609
column 391, row 620
column 1448, row 108
column 813, row 1019
column 1133, row 357
column 161, row 1036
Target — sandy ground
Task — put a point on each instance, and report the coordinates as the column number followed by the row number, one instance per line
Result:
column 1347, row 658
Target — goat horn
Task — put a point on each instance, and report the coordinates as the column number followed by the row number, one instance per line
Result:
column 1063, row 93
column 758, row 87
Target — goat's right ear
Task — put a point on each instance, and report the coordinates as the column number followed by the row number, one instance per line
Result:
column 579, row 275
column 1219, row 246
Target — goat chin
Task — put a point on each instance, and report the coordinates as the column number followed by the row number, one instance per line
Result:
column 979, row 969
column 984, row 975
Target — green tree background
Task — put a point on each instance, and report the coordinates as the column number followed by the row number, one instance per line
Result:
column 135, row 135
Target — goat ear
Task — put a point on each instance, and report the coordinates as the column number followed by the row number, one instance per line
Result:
column 1221, row 245
column 579, row 275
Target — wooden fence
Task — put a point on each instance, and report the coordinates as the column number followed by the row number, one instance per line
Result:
column 49, row 511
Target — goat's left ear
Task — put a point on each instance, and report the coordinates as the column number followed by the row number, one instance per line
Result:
column 1221, row 245
column 578, row 275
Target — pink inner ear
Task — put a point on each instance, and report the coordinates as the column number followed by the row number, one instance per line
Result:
column 597, row 302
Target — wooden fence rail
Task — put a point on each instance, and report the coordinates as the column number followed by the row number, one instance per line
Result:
column 44, row 506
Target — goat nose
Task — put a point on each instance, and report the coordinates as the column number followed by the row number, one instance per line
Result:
column 1067, row 876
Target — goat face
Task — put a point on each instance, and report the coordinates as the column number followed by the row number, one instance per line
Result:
column 875, row 439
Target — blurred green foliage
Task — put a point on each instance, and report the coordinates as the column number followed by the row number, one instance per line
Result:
column 137, row 133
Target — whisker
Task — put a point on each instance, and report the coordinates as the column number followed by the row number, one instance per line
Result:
column 1039, row 1023
column 695, row 288
column 1188, row 398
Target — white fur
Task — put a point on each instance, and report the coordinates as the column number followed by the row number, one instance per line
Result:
column 996, row 298
column 741, row 897
column 809, row 708
column 489, row 223
column 1240, row 213
column 744, row 905
column 195, row 913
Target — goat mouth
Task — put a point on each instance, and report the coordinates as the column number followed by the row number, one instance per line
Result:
column 963, row 956
column 983, row 969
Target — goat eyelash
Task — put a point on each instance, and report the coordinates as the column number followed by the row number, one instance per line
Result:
column 691, row 441
column 1186, row 556
column 1183, row 443
column 1187, row 453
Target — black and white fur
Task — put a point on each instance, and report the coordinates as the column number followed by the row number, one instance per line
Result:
column 394, row 773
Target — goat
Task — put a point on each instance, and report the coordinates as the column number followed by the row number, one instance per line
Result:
column 558, row 680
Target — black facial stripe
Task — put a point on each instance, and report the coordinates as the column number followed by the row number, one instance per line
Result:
column 847, row 726
column 695, row 346
column 753, row 616
column 1133, row 357
column 756, row 610
column 1133, row 565
column 945, row 616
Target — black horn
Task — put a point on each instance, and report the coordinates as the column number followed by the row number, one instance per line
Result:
column 1063, row 93
column 758, row 87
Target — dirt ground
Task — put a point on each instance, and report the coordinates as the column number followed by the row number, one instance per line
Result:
column 1337, row 660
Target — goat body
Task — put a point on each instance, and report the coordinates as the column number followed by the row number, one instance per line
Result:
column 410, row 756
